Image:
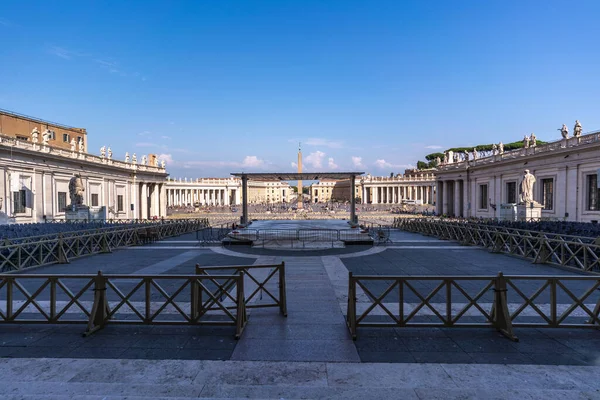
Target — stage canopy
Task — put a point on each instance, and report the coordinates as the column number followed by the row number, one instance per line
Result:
column 295, row 176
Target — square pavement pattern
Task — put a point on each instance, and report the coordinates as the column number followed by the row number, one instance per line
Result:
column 314, row 330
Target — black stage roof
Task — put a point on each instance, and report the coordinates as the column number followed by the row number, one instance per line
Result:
column 295, row 176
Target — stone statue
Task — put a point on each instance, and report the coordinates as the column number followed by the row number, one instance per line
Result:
column 445, row 158
column 564, row 131
column 76, row 190
column 134, row 159
column 102, row 151
column 45, row 137
column 500, row 148
column 127, row 157
column 438, row 160
column 533, row 140
column 526, row 142
column 527, row 187
column 163, row 164
column 81, row 146
column 34, row 135
column 466, row 156
column 109, row 153
column 577, row 129
column 73, row 144
column 475, row 154
column 494, row 149
column 455, row 157
column 144, row 160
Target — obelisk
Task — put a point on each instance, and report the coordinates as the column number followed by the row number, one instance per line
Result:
column 300, row 196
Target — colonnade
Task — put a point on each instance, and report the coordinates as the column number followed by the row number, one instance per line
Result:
column 452, row 197
column 211, row 197
column 149, row 200
column 396, row 194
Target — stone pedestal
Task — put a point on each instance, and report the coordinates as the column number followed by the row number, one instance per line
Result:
column 529, row 212
column 77, row 213
column 508, row 212
column 85, row 213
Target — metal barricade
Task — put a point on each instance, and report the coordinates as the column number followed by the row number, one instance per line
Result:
column 98, row 300
column 449, row 301
column 254, row 299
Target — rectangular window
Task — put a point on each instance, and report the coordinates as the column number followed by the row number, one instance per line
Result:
column 62, row 201
column 94, row 199
column 511, row 192
column 52, row 135
column 120, row 203
column 593, row 193
column 19, row 201
column 548, row 193
column 79, row 139
column 483, row 197
column 66, row 137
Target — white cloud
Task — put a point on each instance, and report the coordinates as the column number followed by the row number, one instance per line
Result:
column 433, row 147
column 294, row 165
column 145, row 133
column 357, row 161
column 146, row 144
column 61, row 52
column 331, row 164
column 165, row 137
column 324, row 142
column 166, row 158
column 252, row 161
column 315, row 159
column 382, row 164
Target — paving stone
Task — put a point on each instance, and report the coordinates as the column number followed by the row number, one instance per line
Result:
column 388, row 375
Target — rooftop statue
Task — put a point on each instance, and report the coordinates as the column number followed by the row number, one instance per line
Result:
column 109, row 153
column 102, row 151
column 577, row 129
column 45, row 137
column 127, row 157
column 81, row 146
column 34, row 135
column 73, row 144
column 564, row 131
column 533, row 140
column 500, row 148
column 526, row 142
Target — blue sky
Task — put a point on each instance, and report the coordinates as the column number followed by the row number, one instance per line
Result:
column 227, row 86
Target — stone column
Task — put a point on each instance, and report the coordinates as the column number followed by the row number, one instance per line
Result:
column 457, row 197
column 144, row 201
column 445, row 197
column 245, row 199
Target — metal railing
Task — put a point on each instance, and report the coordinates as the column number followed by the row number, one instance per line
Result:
column 565, row 250
column 450, row 301
column 300, row 236
column 259, row 275
column 18, row 256
column 98, row 300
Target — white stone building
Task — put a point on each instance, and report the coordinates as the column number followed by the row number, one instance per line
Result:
column 566, row 172
column 225, row 192
column 34, row 183
column 417, row 186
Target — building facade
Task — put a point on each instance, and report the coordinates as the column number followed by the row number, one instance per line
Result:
column 224, row 192
column 17, row 126
column 415, row 186
column 566, row 172
column 34, row 183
